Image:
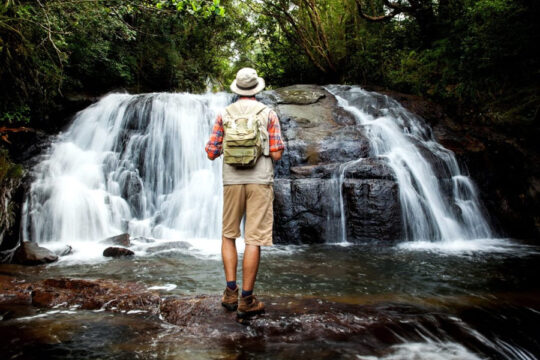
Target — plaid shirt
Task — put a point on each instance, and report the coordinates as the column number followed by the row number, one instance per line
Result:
column 214, row 147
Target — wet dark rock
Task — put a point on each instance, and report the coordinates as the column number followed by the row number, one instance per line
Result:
column 122, row 240
column 30, row 253
column 65, row 250
column 143, row 239
column 323, row 171
column 371, row 324
column 84, row 294
column 286, row 319
column 372, row 209
column 117, row 252
column 14, row 292
column 369, row 168
column 321, row 141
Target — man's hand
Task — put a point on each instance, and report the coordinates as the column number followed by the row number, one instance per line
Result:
column 276, row 155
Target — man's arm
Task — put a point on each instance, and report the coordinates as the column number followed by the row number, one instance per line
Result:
column 276, row 155
column 274, row 133
column 214, row 146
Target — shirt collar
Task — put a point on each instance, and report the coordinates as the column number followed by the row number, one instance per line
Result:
column 247, row 98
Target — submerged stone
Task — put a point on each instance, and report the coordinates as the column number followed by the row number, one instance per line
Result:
column 65, row 250
column 169, row 245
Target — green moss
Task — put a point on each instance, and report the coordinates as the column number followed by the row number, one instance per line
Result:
column 9, row 170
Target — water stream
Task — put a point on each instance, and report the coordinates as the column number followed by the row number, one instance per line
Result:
column 423, row 169
column 130, row 163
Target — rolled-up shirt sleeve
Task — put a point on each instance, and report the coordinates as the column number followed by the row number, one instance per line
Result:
column 274, row 132
column 214, row 146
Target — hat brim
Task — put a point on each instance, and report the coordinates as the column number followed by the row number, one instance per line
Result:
column 257, row 89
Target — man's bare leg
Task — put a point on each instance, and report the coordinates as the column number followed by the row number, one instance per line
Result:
column 230, row 258
column 250, row 266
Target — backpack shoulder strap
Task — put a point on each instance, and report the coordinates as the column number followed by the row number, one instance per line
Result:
column 248, row 107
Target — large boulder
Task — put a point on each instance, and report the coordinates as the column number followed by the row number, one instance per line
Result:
column 30, row 253
column 326, row 174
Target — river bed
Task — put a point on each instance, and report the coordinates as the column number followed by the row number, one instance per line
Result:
column 473, row 300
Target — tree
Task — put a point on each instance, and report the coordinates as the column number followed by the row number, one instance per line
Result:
column 421, row 10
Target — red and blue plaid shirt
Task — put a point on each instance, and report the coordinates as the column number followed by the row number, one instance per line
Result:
column 214, row 147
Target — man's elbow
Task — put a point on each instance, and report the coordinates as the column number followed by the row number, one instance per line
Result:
column 276, row 155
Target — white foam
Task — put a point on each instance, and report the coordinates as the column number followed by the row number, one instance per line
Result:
column 45, row 314
column 426, row 351
column 136, row 312
column 83, row 252
column 462, row 246
column 91, row 252
column 166, row 287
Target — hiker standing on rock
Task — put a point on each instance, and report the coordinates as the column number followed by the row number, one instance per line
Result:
column 248, row 134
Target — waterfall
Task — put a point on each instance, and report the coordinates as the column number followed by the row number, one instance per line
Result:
column 136, row 164
column 130, row 163
column 438, row 202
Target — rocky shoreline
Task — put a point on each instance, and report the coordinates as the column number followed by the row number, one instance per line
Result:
column 293, row 319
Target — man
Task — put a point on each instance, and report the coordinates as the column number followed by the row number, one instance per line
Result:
column 246, row 190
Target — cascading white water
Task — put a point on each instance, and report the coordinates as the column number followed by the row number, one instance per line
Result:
column 130, row 163
column 136, row 163
column 429, row 212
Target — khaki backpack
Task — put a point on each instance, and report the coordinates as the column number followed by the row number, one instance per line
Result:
column 245, row 135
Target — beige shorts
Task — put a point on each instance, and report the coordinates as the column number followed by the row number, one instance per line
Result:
column 256, row 201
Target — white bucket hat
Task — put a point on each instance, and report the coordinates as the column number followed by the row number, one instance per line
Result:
column 247, row 82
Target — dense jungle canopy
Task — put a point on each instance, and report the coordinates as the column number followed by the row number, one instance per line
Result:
column 473, row 56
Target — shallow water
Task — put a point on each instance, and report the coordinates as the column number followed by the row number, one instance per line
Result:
column 449, row 301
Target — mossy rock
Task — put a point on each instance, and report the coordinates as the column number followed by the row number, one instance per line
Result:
column 299, row 95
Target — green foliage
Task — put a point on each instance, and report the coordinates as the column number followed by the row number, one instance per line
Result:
column 193, row 7
column 468, row 54
column 472, row 55
column 8, row 170
column 17, row 116
column 49, row 49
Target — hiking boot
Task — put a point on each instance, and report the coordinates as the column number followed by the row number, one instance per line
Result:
column 230, row 299
column 249, row 305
